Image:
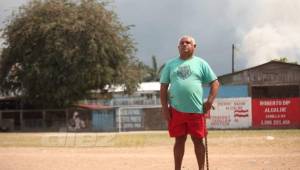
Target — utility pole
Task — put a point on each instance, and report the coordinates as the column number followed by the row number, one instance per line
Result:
column 232, row 59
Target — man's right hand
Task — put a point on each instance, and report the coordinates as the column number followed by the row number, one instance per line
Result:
column 207, row 106
column 166, row 113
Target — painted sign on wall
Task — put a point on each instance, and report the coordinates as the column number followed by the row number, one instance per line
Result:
column 274, row 113
column 230, row 113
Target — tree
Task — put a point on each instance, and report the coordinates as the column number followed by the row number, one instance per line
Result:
column 153, row 73
column 285, row 60
column 56, row 51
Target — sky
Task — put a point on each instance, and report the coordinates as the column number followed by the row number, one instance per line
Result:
column 261, row 30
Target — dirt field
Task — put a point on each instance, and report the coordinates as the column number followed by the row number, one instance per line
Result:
column 234, row 150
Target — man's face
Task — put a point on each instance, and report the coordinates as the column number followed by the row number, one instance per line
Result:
column 186, row 47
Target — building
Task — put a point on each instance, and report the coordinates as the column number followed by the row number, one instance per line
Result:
column 147, row 94
column 253, row 97
column 121, row 112
column 273, row 79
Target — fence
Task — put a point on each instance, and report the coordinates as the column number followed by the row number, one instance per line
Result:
column 229, row 113
column 33, row 120
column 127, row 118
column 134, row 101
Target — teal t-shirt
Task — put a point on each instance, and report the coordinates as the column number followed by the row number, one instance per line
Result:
column 186, row 78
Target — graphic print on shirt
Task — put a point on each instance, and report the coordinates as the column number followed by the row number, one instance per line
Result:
column 184, row 72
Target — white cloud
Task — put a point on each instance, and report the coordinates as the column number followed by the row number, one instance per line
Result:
column 272, row 32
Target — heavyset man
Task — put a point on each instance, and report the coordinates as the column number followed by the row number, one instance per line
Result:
column 182, row 103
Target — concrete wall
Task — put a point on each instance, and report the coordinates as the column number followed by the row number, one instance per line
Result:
column 227, row 91
column 153, row 119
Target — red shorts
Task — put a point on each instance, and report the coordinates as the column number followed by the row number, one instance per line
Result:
column 182, row 123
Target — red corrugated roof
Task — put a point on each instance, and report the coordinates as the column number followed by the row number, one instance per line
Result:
column 94, row 106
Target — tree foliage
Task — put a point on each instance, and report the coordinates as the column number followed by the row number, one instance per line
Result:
column 56, row 51
column 152, row 73
column 285, row 60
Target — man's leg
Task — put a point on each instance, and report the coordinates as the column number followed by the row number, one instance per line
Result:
column 199, row 151
column 179, row 151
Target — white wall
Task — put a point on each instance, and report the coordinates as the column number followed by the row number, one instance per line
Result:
column 230, row 113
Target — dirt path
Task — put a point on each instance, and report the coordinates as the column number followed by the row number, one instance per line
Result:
column 255, row 153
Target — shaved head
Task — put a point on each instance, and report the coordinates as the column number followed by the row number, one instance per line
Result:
column 188, row 37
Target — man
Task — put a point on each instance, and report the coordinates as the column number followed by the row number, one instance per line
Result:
column 76, row 123
column 182, row 104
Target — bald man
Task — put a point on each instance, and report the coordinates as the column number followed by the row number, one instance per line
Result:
column 181, row 95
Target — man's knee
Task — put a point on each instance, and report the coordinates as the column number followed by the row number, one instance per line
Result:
column 197, row 141
column 180, row 140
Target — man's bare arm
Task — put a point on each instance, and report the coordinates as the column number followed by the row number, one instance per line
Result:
column 214, row 87
column 164, row 100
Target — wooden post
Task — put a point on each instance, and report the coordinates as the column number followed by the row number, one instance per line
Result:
column 232, row 59
column 66, row 119
column 0, row 118
column 44, row 118
column 21, row 120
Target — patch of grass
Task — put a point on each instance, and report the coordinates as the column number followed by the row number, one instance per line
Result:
column 254, row 133
column 20, row 139
column 142, row 139
column 127, row 139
